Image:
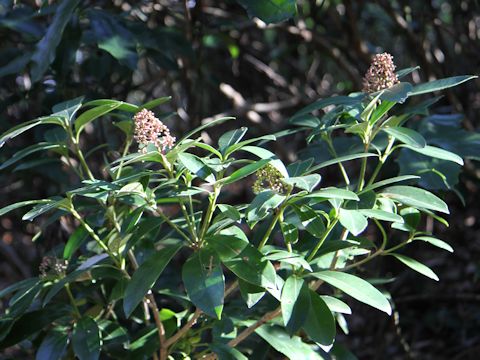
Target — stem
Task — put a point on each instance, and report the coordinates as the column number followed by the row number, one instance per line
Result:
column 270, row 228
column 363, row 168
column 128, row 142
column 173, row 225
column 249, row 330
column 340, row 165
column 208, row 217
column 152, row 304
column 72, row 300
column 95, row 237
column 382, row 160
column 180, row 333
column 322, row 240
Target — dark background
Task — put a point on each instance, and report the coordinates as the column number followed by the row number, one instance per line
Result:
column 213, row 59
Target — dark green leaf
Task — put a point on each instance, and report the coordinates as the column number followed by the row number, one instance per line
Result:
column 353, row 220
column 86, row 339
column 252, row 294
column 244, row 171
column 196, row 166
column 295, row 303
column 307, row 182
column 417, row 266
column 92, row 114
column 312, row 221
column 406, row 136
column 269, row 11
column 435, row 242
column 261, row 204
column 230, row 138
column 440, row 84
column 356, row 288
column 146, row 275
column 45, row 50
column 338, row 160
column 78, row 237
column 156, row 102
column 20, row 204
column 53, row 345
column 250, row 266
column 416, row 197
column 204, row 282
column 225, row 352
column 319, row 324
column 437, row 153
column 291, row 346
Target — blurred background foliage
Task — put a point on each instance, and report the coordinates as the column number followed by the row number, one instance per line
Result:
column 259, row 61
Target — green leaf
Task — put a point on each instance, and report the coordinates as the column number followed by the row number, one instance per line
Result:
column 53, row 345
column 440, row 84
column 334, row 193
column 156, row 102
column 21, row 128
column 406, row 136
column 244, row 171
column 227, row 246
column 289, row 258
column 121, row 49
column 261, row 204
column 381, row 215
column 417, row 266
column 124, row 106
column 92, row 114
column 78, row 237
column 229, row 211
column 336, row 305
column 295, row 301
column 43, row 208
column 250, row 266
column 252, row 294
column 20, row 204
column 437, row 153
column 353, row 220
column 146, row 275
column 86, row 340
column 45, row 51
column 32, row 322
column 322, row 103
column 307, row 182
column 30, row 150
column 266, row 154
column 291, row 346
column 68, row 109
column 404, row 72
column 338, row 160
column 225, row 352
column 312, row 221
column 204, row 282
column 243, row 143
column 356, row 288
column 435, row 242
column 390, row 181
column 231, row 138
column 381, row 110
column 196, row 166
column 269, row 11
column 415, row 197
column 397, row 93
column 319, row 324
column 290, row 232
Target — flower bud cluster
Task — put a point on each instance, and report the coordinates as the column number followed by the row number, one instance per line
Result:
column 51, row 266
column 381, row 74
column 269, row 178
column 150, row 130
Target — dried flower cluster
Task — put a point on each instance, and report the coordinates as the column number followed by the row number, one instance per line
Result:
column 150, row 130
column 51, row 266
column 381, row 74
column 269, row 178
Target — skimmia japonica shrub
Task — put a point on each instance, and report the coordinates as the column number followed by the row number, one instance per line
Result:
column 160, row 265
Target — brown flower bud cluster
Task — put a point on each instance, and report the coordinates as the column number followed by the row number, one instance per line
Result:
column 269, row 178
column 381, row 74
column 51, row 266
column 150, row 130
